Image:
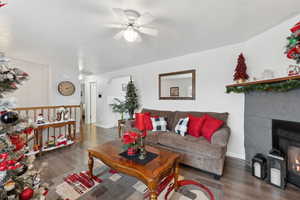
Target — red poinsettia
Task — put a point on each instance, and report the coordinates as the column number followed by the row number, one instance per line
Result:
column 130, row 137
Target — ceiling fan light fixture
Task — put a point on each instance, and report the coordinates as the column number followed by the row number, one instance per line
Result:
column 130, row 35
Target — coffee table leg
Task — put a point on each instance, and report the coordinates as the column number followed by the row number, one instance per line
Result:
column 176, row 175
column 91, row 165
column 153, row 191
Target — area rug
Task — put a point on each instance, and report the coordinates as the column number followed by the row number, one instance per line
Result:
column 112, row 185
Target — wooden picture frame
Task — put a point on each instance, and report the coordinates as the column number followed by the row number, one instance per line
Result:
column 193, row 97
column 174, row 91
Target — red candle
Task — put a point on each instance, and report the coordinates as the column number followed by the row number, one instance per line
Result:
column 139, row 121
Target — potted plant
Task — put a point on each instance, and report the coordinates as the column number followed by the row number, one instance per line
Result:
column 119, row 107
column 131, row 99
column 130, row 142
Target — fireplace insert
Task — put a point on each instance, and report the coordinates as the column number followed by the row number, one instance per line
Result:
column 286, row 138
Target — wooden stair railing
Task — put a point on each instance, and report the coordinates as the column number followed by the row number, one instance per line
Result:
column 49, row 114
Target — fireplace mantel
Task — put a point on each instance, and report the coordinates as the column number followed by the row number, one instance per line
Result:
column 282, row 84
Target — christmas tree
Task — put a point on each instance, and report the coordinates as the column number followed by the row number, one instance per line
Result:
column 19, row 178
column 293, row 47
column 131, row 99
column 240, row 70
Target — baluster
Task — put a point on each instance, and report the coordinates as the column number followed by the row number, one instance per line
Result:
column 54, row 114
column 48, row 114
column 48, row 134
column 27, row 115
column 34, row 115
column 70, row 110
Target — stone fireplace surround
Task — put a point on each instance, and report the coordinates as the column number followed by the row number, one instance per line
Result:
column 262, row 110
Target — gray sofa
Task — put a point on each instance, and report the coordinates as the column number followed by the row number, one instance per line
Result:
column 197, row 152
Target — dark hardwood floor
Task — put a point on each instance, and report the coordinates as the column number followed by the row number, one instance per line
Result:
column 236, row 184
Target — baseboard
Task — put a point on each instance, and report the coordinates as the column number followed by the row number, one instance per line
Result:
column 235, row 155
column 105, row 125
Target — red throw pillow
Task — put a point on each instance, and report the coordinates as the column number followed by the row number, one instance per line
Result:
column 210, row 126
column 195, row 125
column 147, row 121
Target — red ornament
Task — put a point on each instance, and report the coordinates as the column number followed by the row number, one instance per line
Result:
column 27, row 194
column 3, row 166
column 298, row 48
column 3, row 156
column 295, row 28
column 2, row 4
column 17, row 141
column 291, row 53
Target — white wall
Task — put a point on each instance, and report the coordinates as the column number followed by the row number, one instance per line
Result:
column 64, row 73
column 34, row 91
column 41, row 88
column 266, row 50
column 214, row 69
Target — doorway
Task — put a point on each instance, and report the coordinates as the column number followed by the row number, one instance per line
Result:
column 91, row 104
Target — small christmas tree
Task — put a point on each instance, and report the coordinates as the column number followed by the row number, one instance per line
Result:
column 131, row 99
column 19, row 178
column 240, row 74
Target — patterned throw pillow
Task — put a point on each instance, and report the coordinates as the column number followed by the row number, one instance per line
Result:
column 159, row 124
column 182, row 126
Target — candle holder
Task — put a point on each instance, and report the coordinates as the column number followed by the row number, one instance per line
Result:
column 142, row 152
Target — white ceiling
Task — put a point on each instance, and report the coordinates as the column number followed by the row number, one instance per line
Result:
column 71, row 33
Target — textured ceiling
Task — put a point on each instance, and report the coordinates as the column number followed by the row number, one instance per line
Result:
column 71, row 33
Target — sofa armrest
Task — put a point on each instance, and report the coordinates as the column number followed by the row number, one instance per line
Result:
column 221, row 137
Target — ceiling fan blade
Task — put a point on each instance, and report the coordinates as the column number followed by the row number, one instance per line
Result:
column 115, row 25
column 146, row 18
column 120, row 15
column 119, row 35
column 148, row 31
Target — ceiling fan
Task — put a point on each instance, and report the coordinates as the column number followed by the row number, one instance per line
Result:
column 2, row 4
column 132, row 24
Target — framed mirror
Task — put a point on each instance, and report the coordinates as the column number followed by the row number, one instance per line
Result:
column 177, row 85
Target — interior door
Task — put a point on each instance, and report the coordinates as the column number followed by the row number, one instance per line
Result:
column 93, row 105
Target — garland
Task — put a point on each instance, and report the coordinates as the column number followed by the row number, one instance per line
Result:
column 268, row 87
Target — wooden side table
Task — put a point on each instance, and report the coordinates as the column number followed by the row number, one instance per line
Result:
column 121, row 124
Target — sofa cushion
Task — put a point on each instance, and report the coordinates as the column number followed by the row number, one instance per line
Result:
column 169, row 115
column 191, row 144
column 152, row 136
column 210, row 126
column 181, row 114
column 195, row 125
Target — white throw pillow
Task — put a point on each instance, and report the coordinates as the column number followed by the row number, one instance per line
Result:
column 159, row 123
column 182, row 126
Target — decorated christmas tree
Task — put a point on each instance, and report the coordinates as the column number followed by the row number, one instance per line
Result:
column 131, row 99
column 19, row 178
column 293, row 46
column 240, row 74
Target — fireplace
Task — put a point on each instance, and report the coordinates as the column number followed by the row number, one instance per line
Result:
column 286, row 138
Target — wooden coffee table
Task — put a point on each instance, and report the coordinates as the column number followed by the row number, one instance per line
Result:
column 151, row 174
